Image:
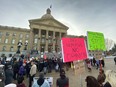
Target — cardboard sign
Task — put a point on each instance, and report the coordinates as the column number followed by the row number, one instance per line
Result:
column 50, row 80
column 73, row 49
column 95, row 41
column 98, row 55
column 79, row 67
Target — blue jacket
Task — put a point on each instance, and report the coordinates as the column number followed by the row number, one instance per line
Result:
column 22, row 70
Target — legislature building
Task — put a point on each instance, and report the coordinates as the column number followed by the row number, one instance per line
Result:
column 44, row 35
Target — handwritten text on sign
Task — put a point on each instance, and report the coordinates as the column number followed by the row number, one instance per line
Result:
column 73, row 49
column 96, row 41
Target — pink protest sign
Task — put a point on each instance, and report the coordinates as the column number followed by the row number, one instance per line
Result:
column 73, row 49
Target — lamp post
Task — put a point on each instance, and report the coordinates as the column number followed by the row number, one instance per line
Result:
column 26, row 43
column 18, row 47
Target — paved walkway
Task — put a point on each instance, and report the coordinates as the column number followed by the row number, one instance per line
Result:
column 74, row 80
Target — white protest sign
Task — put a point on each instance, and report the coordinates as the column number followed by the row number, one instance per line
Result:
column 49, row 79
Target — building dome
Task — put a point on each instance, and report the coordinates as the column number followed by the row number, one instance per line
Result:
column 47, row 15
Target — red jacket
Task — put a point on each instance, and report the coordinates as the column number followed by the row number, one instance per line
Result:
column 21, row 85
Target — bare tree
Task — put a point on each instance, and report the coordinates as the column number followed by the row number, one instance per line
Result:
column 109, row 44
column 114, row 49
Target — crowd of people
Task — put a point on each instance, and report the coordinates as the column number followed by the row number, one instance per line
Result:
column 16, row 70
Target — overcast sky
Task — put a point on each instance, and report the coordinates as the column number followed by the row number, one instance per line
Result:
column 79, row 15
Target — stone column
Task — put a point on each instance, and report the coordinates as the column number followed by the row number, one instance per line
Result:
column 46, row 47
column 60, row 35
column 31, row 39
column 53, row 42
column 39, row 40
column 59, row 42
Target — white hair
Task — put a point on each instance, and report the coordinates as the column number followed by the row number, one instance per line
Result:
column 111, row 77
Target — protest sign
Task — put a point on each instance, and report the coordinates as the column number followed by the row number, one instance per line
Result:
column 98, row 54
column 73, row 49
column 8, row 58
column 50, row 80
column 95, row 41
column 79, row 67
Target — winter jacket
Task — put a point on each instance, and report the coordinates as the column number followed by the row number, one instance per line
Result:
column 9, row 76
column 45, row 84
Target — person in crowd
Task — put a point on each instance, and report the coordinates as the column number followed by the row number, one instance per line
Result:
column 45, row 66
column 20, row 62
column 56, row 67
column 0, row 61
column 41, row 65
column 94, row 61
column 28, row 67
column 41, row 82
column 49, row 65
column 91, row 61
column 60, row 63
column 15, row 68
column 97, row 63
column 20, row 82
column 101, row 80
column 115, row 60
column 3, row 59
column 22, row 56
column 89, row 65
column 7, row 64
column 2, row 76
column 8, row 75
column 22, row 70
column 110, row 78
column 102, row 62
column 54, row 61
column 63, row 81
column 101, row 72
column 32, row 73
column 91, row 82
column 37, row 62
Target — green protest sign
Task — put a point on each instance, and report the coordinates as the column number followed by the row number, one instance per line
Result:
column 95, row 41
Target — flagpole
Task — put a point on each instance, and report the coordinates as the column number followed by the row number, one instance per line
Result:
column 50, row 6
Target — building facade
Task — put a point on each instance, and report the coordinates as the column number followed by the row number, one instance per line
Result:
column 44, row 35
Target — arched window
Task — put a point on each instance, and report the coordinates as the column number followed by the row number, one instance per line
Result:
column 4, row 48
column 35, row 48
column 21, row 36
column 13, row 41
column 11, row 48
column 35, row 41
